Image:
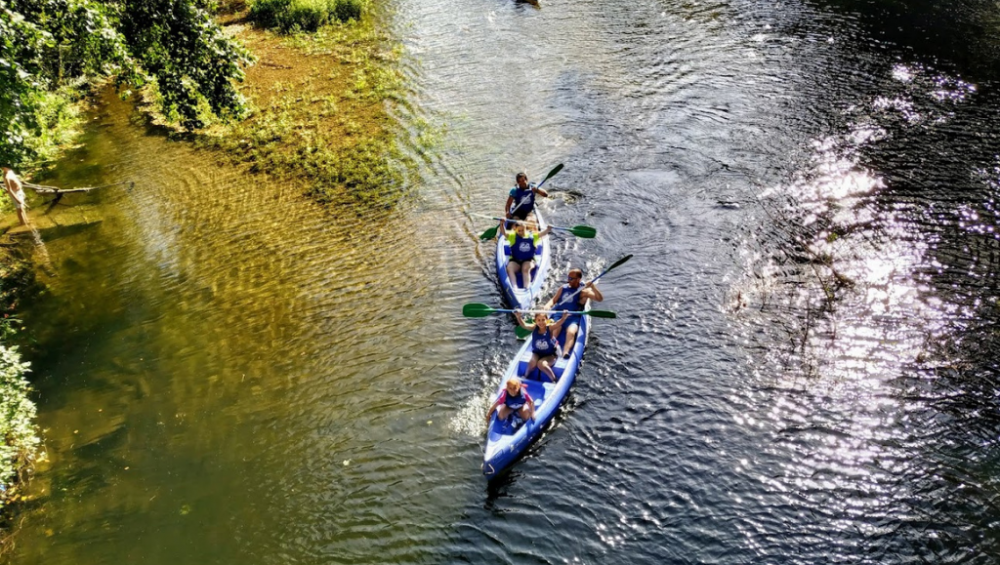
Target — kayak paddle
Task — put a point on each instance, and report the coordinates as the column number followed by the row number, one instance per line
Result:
column 522, row 333
column 483, row 310
column 581, row 230
column 492, row 232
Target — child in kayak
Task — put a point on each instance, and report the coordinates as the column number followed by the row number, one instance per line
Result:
column 513, row 399
column 523, row 243
column 544, row 346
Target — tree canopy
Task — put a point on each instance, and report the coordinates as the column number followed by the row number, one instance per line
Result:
column 48, row 46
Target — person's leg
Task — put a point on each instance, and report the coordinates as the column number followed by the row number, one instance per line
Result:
column 544, row 365
column 570, row 339
column 526, row 268
column 531, row 365
column 22, row 215
column 524, row 413
column 502, row 412
column 512, row 268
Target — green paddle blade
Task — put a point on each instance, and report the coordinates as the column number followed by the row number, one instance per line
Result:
column 583, row 231
column 490, row 233
column 476, row 310
column 520, row 332
column 601, row 314
column 552, row 173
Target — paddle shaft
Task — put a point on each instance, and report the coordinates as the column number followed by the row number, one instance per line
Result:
column 551, row 174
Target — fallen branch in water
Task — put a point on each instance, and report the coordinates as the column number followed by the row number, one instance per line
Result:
column 43, row 189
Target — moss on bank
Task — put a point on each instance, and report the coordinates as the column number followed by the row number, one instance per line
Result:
column 321, row 111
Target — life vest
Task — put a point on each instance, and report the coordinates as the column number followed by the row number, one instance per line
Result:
column 517, row 401
column 569, row 298
column 524, row 201
column 523, row 248
column 543, row 344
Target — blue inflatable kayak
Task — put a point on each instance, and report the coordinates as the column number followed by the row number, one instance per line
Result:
column 517, row 296
column 507, row 440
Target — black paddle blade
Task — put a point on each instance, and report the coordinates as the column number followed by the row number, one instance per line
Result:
column 555, row 170
column 619, row 262
column 476, row 310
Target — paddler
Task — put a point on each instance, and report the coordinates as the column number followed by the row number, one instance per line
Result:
column 572, row 297
column 521, row 202
column 523, row 243
column 12, row 185
column 544, row 345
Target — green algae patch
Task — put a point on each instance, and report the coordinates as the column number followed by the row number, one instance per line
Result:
column 321, row 111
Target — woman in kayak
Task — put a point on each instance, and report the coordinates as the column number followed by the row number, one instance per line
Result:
column 521, row 201
column 523, row 243
column 544, row 347
column 514, row 398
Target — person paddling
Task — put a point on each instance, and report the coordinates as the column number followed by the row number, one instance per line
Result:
column 12, row 185
column 572, row 297
column 513, row 399
column 521, row 201
column 523, row 243
column 544, row 346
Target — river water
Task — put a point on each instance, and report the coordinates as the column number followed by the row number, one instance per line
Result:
column 803, row 369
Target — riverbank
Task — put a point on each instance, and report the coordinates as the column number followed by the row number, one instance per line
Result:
column 17, row 426
column 321, row 110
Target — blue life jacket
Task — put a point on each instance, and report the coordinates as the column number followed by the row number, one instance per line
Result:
column 567, row 303
column 515, row 402
column 543, row 344
column 524, row 201
column 523, row 248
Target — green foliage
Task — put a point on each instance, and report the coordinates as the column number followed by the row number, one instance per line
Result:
column 17, row 418
column 49, row 48
column 193, row 63
column 292, row 16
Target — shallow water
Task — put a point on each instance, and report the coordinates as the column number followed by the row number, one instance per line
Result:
column 803, row 368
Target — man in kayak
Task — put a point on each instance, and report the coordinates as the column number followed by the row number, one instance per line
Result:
column 514, row 398
column 571, row 297
column 12, row 185
column 521, row 202
column 523, row 243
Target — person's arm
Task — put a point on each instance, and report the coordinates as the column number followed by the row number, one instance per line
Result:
column 558, row 323
column 593, row 292
column 506, row 207
column 531, row 409
column 540, row 191
column 493, row 408
column 554, row 300
column 521, row 322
